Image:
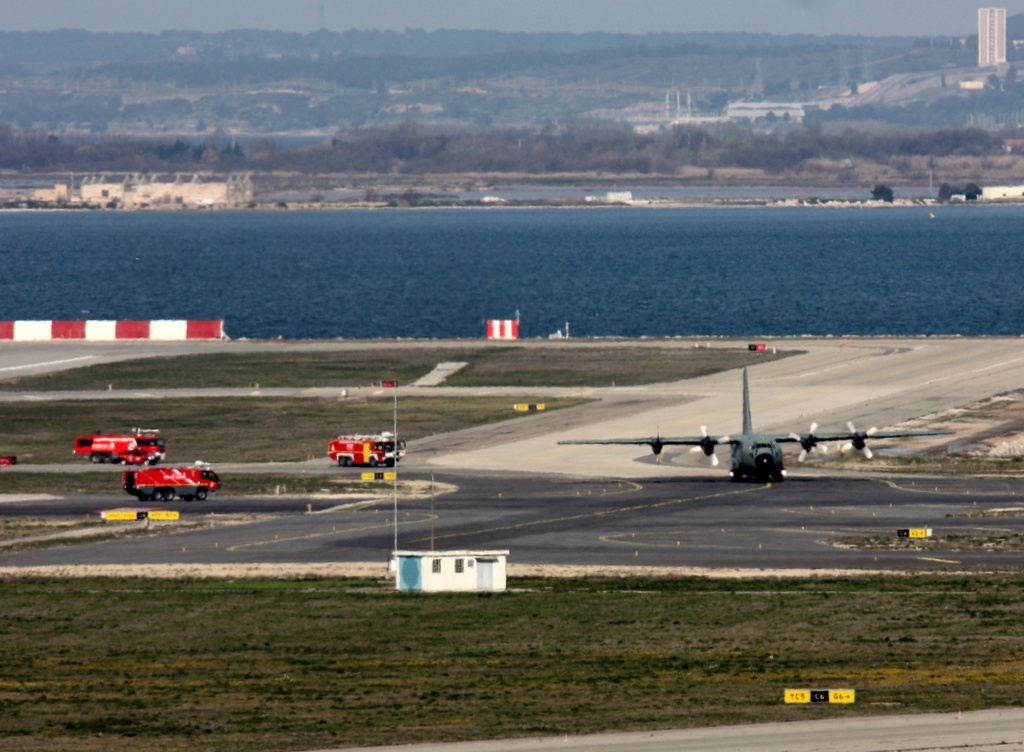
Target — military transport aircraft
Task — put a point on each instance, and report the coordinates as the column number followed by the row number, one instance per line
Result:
column 758, row 455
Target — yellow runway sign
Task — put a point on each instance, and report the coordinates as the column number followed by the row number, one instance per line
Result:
column 914, row 532
column 380, row 476
column 130, row 515
column 841, row 696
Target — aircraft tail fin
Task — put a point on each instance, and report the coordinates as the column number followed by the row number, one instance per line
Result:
column 747, row 427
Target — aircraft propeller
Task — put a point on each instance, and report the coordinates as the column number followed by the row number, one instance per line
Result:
column 808, row 442
column 707, row 445
column 858, row 441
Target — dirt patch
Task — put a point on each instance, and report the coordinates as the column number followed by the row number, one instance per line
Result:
column 982, row 438
column 379, row 570
column 991, row 428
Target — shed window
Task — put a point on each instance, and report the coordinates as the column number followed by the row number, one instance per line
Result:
column 435, row 566
column 459, row 566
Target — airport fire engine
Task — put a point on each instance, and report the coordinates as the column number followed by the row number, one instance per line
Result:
column 143, row 446
column 382, row 450
column 164, row 483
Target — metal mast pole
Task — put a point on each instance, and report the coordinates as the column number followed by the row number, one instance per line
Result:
column 394, row 465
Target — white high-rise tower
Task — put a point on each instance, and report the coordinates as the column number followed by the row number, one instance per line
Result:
column 991, row 37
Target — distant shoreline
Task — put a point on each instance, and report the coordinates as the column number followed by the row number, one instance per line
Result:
column 751, row 203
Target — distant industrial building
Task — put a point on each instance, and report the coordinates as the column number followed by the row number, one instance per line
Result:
column 59, row 194
column 991, row 37
column 754, row 111
column 151, row 191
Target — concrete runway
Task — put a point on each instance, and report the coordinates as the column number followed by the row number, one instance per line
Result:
column 873, row 382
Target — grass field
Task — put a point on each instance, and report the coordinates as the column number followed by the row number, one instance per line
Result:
column 240, row 429
column 540, row 364
column 285, row 665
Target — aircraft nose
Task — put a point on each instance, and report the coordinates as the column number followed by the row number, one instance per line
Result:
column 764, row 462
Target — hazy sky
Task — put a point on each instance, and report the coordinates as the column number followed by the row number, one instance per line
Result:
column 867, row 17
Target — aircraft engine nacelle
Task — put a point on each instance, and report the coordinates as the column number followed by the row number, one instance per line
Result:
column 858, row 441
column 765, row 463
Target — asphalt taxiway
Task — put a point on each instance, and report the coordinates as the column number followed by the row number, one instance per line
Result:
column 803, row 524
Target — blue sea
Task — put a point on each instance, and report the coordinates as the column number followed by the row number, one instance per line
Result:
column 606, row 271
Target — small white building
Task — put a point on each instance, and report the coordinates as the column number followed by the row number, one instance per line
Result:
column 613, row 197
column 445, row 571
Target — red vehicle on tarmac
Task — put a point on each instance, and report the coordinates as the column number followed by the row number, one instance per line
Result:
column 164, row 483
column 381, row 450
column 143, row 446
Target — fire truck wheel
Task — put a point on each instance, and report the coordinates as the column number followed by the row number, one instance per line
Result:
column 155, row 496
column 373, row 462
column 200, row 494
column 167, row 493
column 98, row 459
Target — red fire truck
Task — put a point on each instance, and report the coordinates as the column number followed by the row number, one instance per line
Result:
column 164, row 483
column 143, row 446
column 372, row 451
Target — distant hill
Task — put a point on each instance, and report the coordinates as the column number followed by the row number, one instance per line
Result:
column 252, row 82
column 68, row 49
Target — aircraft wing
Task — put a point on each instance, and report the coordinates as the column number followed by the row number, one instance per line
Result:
column 853, row 439
column 657, row 444
column 656, row 440
column 852, row 435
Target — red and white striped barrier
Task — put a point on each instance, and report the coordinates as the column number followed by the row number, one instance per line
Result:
column 101, row 331
column 503, row 329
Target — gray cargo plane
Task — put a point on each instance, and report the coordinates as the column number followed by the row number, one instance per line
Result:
column 758, row 455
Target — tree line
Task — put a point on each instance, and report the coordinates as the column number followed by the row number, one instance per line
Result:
column 413, row 149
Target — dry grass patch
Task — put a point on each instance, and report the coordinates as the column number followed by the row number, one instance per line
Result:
column 240, row 429
column 262, row 664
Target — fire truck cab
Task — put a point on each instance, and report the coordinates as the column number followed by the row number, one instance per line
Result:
column 380, row 450
column 143, row 446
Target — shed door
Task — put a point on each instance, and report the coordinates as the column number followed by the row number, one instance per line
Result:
column 484, row 575
column 410, row 573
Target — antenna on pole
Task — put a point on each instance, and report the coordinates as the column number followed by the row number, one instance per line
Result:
column 394, row 451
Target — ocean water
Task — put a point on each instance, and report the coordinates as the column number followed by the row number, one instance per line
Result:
column 607, row 271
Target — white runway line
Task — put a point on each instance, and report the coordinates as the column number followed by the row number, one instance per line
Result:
column 49, row 363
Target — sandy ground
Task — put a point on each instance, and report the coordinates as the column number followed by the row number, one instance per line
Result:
column 379, row 571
